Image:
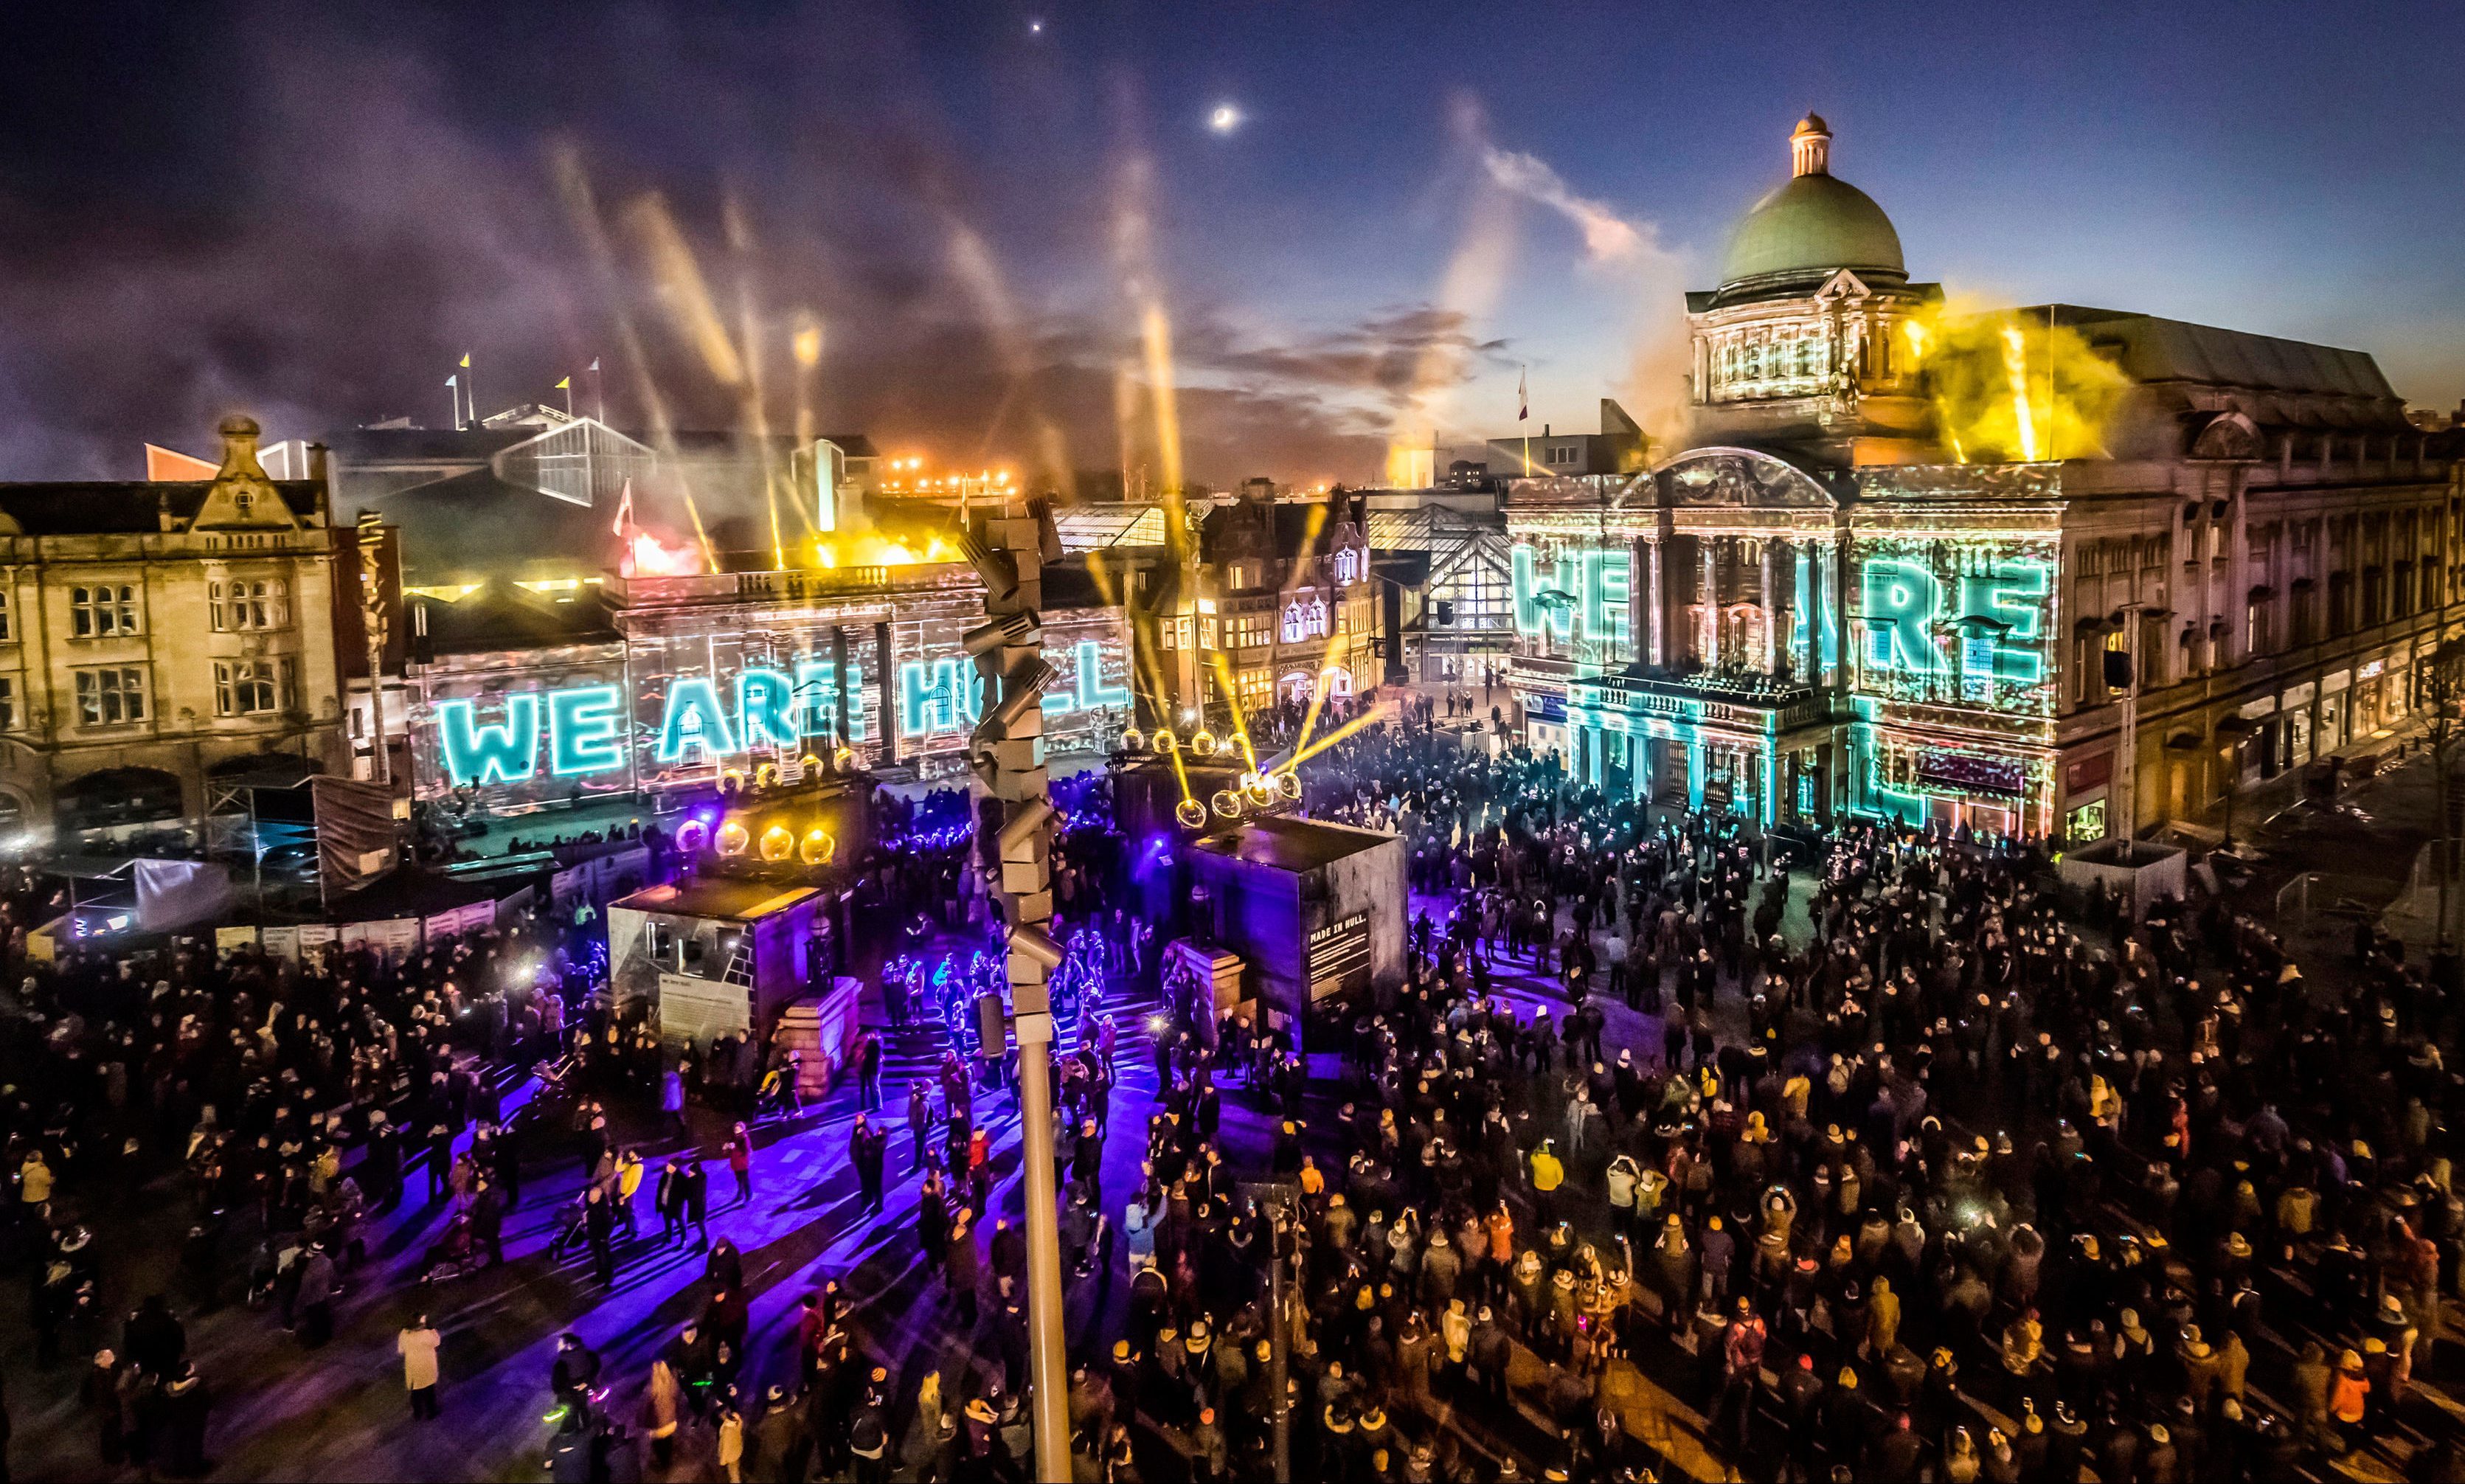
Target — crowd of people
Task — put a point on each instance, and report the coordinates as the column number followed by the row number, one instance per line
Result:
column 1666, row 1155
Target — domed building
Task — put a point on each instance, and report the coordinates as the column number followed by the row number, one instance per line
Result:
column 1800, row 346
column 1822, row 605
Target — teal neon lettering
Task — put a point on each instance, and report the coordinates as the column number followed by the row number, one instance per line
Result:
column 1902, row 601
column 765, row 709
column 1608, row 586
column 500, row 752
column 817, row 694
column 1530, row 611
column 2011, row 593
column 582, row 730
column 693, row 719
column 943, row 703
column 1093, row 692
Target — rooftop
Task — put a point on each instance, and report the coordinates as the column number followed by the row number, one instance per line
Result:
column 1291, row 844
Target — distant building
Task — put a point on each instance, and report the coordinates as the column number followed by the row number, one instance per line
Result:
column 1282, row 601
column 533, row 495
column 155, row 637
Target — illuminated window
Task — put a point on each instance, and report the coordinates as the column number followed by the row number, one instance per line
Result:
column 103, row 612
column 114, row 696
column 263, row 603
column 250, row 687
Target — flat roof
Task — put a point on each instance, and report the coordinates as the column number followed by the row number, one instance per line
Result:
column 717, row 897
column 1292, row 844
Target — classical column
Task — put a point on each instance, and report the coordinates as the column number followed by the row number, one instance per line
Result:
column 1659, row 653
column 1710, row 636
column 1771, row 605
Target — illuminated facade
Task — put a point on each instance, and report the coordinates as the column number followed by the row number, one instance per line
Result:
column 1821, row 609
column 1283, row 602
column 698, row 678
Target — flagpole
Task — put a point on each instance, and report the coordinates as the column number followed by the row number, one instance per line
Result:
column 1524, row 414
column 568, row 396
column 598, row 391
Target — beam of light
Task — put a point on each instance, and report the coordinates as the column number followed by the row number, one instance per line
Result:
column 682, row 288
column 1232, row 702
column 1319, row 690
column 2015, row 370
column 757, row 416
column 583, row 205
column 1155, row 335
column 806, row 343
column 1475, row 274
column 972, row 259
column 1331, row 738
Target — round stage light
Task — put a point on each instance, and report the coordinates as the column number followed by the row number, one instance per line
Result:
column 693, row 837
column 1261, row 792
column 1165, row 742
column 734, row 839
column 777, row 843
column 1228, row 804
column 1289, row 785
column 732, row 780
column 819, row 848
column 765, row 775
column 1191, row 813
column 1133, row 741
column 842, row 758
column 1203, row 742
column 811, row 763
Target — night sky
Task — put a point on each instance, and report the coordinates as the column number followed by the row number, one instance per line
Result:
column 310, row 213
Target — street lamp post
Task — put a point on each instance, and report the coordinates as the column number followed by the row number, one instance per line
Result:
column 2128, row 794
column 1009, row 545
column 2235, row 730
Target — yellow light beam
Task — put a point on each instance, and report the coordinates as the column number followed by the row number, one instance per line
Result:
column 1357, row 724
column 1232, row 702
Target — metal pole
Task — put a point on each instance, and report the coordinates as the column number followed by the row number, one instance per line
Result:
column 1279, row 1401
column 1046, row 1366
column 1007, row 752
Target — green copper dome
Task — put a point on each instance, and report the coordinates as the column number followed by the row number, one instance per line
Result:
column 1811, row 225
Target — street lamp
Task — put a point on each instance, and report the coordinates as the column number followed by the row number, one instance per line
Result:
column 2234, row 731
column 2120, row 621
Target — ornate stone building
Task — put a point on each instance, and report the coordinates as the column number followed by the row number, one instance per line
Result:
column 156, row 635
column 1824, row 603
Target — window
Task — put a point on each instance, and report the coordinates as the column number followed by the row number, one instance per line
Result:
column 102, row 611
column 244, row 604
column 111, row 698
column 8, row 703
column 2262, row 640
column 5, row 633
column 250, row 687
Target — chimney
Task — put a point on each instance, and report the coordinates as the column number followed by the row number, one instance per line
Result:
column 239, row 448
column 1809, row 146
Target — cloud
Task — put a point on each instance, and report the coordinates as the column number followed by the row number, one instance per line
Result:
column 1608, row 237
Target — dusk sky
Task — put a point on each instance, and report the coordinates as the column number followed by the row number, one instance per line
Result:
column 311, row 212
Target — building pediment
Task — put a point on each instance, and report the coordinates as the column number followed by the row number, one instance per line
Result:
column 1742, row 478
column 1843, row 287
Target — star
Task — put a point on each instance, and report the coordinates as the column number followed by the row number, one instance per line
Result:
column 1035, row 28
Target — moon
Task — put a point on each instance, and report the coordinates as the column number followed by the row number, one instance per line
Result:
column 1225, row 118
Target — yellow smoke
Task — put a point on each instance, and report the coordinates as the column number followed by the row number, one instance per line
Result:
column 2009, row 387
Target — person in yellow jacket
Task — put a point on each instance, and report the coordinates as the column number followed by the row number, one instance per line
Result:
column 1548, row 1173
column 629, row 1182
column 34, row 1181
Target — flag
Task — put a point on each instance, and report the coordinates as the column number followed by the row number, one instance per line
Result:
column 594, row 365
column 453, row 381
column 566, row 384
column 625, row 510
column 1523, row 397
column 466, row 359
